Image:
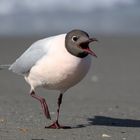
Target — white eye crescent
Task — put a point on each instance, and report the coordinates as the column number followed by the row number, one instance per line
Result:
column 74, row 38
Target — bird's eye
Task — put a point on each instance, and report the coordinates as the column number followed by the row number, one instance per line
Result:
column 74, row 38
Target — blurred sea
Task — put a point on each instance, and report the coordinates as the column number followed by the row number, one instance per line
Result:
column 40, row 17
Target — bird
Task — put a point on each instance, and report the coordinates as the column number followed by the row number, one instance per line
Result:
column 56, row 63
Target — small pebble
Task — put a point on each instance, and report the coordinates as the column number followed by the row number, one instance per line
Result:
column 2, row 120
column 106, row 136
column 23, row 130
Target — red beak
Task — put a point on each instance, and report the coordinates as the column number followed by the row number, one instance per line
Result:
column 87, row 49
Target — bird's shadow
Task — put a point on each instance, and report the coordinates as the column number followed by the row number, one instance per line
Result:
column 109, row 121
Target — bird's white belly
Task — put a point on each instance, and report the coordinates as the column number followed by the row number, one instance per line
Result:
column 58, row 73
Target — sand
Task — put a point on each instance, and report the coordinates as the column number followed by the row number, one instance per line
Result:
column 105, row 105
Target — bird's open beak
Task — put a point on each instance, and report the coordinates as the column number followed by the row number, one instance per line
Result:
column 85, row 46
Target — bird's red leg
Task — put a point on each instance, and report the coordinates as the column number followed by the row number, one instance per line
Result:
column 56, row 124
column 43, row 104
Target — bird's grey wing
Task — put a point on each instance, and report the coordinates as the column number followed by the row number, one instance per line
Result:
column 29, row 58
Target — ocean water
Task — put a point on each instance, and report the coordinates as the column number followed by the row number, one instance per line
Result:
column 43, row 18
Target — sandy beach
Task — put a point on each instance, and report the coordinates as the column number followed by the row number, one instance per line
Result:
column 104, row 106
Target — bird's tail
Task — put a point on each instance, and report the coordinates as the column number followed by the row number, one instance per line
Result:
column 5, row 66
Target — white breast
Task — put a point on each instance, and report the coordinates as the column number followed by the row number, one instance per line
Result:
column 58, row 70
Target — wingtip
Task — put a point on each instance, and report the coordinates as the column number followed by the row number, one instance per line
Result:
column 5, row 66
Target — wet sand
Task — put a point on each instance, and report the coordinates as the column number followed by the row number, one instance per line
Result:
column 105, row 105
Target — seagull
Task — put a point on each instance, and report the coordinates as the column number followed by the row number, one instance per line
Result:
column 55, row 63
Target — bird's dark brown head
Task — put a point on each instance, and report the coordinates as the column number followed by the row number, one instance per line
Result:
column 77, row 43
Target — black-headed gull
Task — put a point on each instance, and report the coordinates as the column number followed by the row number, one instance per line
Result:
column 55, row 63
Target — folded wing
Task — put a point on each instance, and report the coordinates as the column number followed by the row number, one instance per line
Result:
column 30, row 57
